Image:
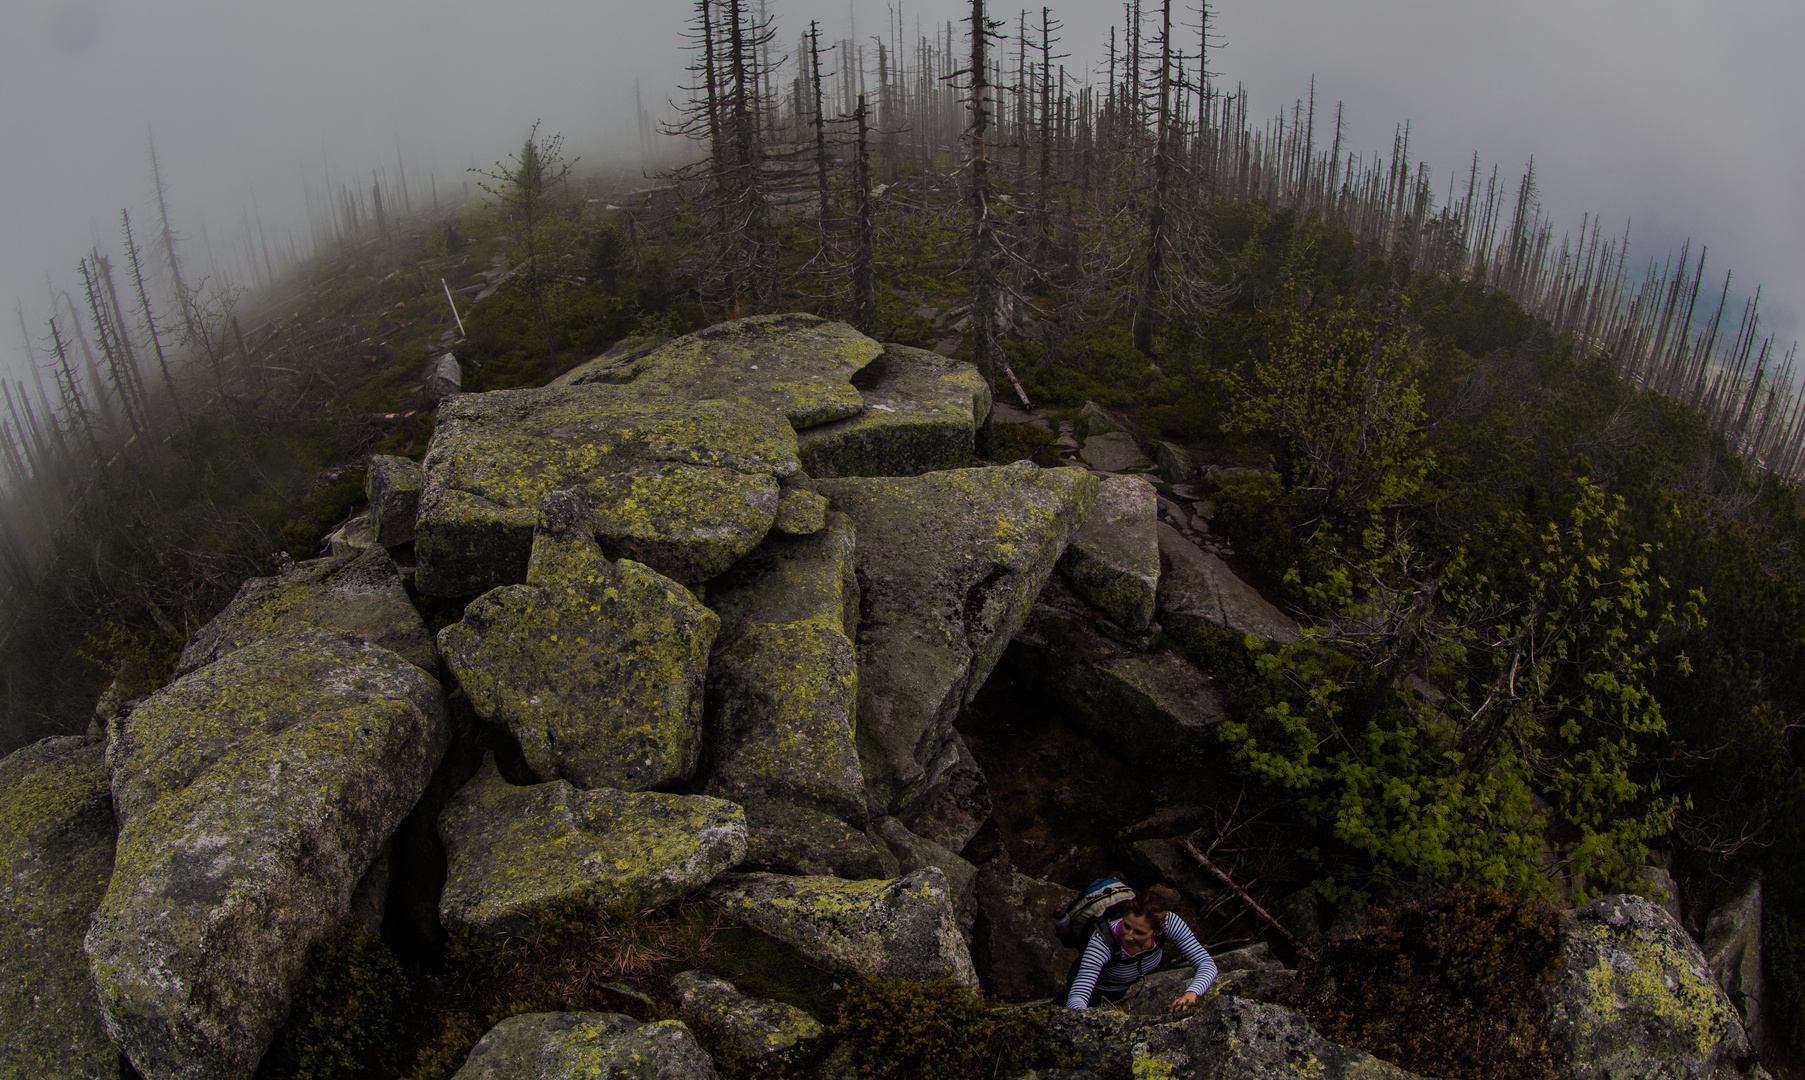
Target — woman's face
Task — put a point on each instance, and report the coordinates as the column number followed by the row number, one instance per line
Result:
column 1137, row 933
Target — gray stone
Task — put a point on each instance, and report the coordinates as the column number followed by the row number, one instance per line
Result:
column 1732, row 948
column 56, row 854
column 1197, row 587
column 1230, row 1038
column 949, row 564
column 686, row 487
column 1115, row 452
column 956, row 799
column 355, row 537
column 783, row 680
column 624, row 351
column 596, row 667
column 1020, row 957
column 361, row 595
column 1632, row 995
column 252, row 796
column 922, row 413
column 586, row 1046
column 444, row 378
column 369, row 901
column 1103, row 1040
column 904, row 928
column 1142, row 706
column 797, row 366
column 1666, row 893
column 1097, row 420
column 789, row 839
column 759, row 1026
column 393, row 486
column 1113, row 560
column 800, row 513
column 1161, row 859
column 1175, row 463
column 516, row 851
column 914, row 852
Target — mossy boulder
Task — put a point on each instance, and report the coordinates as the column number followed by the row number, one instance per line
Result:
column 788, row 839
column 1632, row 995
column 252, row 796
column 517, row 851
column 1020, row 957
column 783, row 681
column 351, row 539
column 760, row 1027
column 795, row 365
column 596, row 667
column 393, row 486
column 1115, row 452
column 904, row 928
column 686, row 487
column 624, row 351
column 800, row 513
column 922, row 414
column 586, row 1046
column 1113, row 560
column 360, row 595
column 949, row 564
column 1196, row 587
column 56, row 854
column 1231, row 1038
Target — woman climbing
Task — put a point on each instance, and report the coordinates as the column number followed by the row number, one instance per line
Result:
column 1121, row 951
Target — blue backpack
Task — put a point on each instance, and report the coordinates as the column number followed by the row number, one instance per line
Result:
column 1074, row 920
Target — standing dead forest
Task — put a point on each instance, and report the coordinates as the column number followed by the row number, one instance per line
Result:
column 1537, row 498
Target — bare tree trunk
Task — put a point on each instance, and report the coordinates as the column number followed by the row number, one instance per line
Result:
column 987, row 350
column 1156, row 209
column 864, row 275
column 150, row 322
column 168, row 238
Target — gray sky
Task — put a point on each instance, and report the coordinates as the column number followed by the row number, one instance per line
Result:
column 1680, row 115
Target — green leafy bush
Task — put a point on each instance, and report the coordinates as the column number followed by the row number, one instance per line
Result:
column 1018, row 441
column 345, row 1010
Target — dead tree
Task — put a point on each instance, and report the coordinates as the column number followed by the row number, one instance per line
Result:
column 986, row 246
column 1156, row 208
column 150, row 320
column 864, row 275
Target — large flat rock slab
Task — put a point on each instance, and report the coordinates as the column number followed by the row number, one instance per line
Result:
column 252, row 795
column 361, row 595
column 56, row 855
column 1115, row 452
column 798, row 366
column 783, row 680
column 922, row 414
column 686, row 487
column 789, row 839
column 517, row 851
column 586, row 1046
column 1197, row 587
column 758, row 1026
column 1231, row 1038
column 949, row 564
column 596, row 667
column 906, row 928
column 1113, row 561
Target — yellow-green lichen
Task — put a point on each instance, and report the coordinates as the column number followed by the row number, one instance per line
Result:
column 922, row 413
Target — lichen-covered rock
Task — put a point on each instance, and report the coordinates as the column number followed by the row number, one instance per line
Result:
column 1197, row 587
column 1097, row 420
column 922, row 413
column 1229, row 1038
column 1732, row 948
column 444, row 377
column 1020, row 958
column 914, row 852
column 56, row 854
column 362, row 595
column 624, row 351
column 1102, row 1040
column 1176, row 465
column 686, row 487
column 800, row 513
column 393, row 486
column 351, row 539
column 904, row 928
column 949, row 564
column 783, row 681
column 597, row 671
column 252, row 796
column 1632, row 995
column 795, row 365
column 516, row 851
column 759, row 1026
column 1113, row 560
column 586, row 1046
column 789, row 839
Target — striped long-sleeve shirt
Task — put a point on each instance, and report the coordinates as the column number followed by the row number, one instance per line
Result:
column 1096, row 969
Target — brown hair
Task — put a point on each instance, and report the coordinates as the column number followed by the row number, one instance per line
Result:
column 1152, row 905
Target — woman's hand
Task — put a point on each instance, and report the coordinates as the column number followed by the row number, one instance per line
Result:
column 1182, row 1002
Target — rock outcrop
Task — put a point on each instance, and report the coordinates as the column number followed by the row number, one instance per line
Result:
column 760, row 1027
column 586, row 1046
column 1020, row 957
column 56, row 855
column 1197, row 587
column 393, row 486
column 514, row 852
column 1230, row 1038
column 1113, row 560
column 785, row 838
column 1115, row 452
column 922, row 414
column 905, row 928
column 686, row 487
column 1732, row 948
column 252, row 796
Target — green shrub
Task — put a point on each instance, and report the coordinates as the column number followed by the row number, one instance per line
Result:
column 320, row 512
column 901, row 1030
column 1018, row 441
column 345, row 1009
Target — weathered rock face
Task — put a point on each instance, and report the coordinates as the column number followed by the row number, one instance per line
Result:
column 252, row 796
column 915, row 852
column 797, row 366
column 444, row 378
column 355, row 537
column 1230, row 1038
column 393, row 486
column 514, row 851
column 1197, row 587
column 949, row 564
column 586, row 1046
column 759, row 1026
column 362, row 595
column 686, row 487
column 1021, row 957
column 596, row 667
column 904, row 928
column 1098, row 420
column 922, row 413
column 783, row 682
column 800, row 513
column 1113, row 560
column 789, row 839
column 1732, row 948
column 56, row 854
column 624, row 351
column 1114, row 451
column 1176, row 465
column 957, row 804
column 1632, row 995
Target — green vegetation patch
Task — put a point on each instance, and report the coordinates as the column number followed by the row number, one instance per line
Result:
column 896, row 1029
